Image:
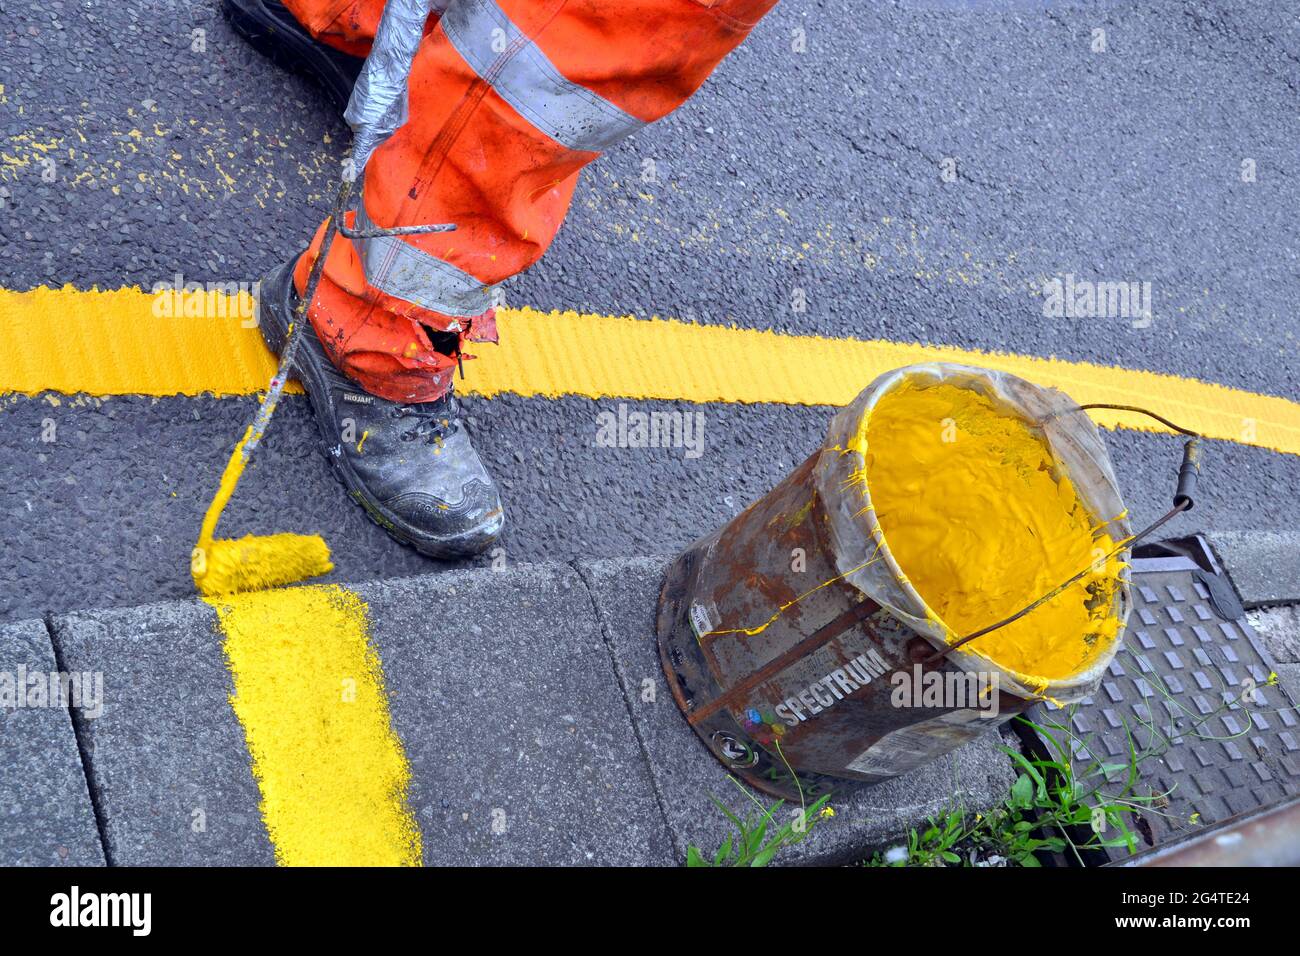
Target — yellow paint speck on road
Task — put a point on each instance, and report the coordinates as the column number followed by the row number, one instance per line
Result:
column 309, row 692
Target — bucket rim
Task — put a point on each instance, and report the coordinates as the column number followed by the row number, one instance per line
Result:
column 832, row 476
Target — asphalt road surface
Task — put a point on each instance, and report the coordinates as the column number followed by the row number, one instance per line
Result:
column 814, row 159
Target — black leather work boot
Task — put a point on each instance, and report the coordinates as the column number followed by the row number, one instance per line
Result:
column 411, row 466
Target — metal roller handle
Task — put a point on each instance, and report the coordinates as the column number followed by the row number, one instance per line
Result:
column 394, row 230
column 334, row 225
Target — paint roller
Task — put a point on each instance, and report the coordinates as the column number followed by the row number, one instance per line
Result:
column 254, row 562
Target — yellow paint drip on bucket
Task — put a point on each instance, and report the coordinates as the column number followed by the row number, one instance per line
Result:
column 982, row 521
column 309, row 692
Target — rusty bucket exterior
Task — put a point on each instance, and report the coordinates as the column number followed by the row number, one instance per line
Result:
column 784, row 653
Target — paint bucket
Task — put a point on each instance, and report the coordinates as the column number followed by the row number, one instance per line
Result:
column 803, row 655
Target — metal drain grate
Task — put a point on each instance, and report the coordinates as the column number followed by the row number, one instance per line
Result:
column 1193, row 673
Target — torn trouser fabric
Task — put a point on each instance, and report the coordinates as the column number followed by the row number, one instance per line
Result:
column 506, row 101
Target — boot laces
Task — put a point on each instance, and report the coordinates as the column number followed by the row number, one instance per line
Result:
column 430, row 422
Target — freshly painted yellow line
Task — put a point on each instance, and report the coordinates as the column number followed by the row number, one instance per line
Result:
column 126, row 342
column 309, row 692
column 123, row 342
column 568, row 353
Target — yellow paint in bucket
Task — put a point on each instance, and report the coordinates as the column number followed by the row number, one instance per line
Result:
column 982, row 522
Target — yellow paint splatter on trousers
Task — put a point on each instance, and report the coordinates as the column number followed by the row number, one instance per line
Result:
column 978, row 520
column 309, row 692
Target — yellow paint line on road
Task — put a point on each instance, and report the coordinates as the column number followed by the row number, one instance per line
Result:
column 122, row 342
column 309, row 692
column 569, row 353
column 130, row 342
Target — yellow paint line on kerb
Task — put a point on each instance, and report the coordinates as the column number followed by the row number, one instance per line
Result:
column 309, row 692
column 131, row 342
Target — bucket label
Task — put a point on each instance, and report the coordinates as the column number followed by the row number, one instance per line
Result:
column 909, row 747
column 701, row 621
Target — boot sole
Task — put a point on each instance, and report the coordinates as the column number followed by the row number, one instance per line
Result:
column 306, row 368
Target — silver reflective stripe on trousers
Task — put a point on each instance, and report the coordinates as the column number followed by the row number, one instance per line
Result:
column 521, row 75
column 400, row 269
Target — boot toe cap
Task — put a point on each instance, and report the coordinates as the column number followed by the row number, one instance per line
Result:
column 464, row 527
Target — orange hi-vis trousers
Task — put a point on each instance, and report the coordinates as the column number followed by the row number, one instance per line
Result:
column 508, row 100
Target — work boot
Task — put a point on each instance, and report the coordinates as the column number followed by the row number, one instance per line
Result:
column 273, row 31
column 411, row 466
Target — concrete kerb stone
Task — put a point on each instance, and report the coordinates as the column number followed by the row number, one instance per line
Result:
column 46, row 814
column 1264, row 565
column 167, row 756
